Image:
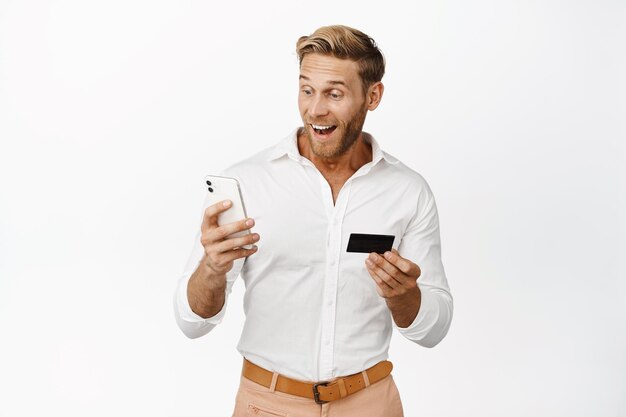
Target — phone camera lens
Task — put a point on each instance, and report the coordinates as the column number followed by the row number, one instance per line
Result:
column 210, row 189
column 208, row 182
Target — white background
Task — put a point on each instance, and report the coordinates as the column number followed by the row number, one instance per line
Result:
column 111, row 113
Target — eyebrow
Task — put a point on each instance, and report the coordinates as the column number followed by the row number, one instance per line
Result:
column 331, row 82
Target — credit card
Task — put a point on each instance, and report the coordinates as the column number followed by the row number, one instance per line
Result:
column 364, row 243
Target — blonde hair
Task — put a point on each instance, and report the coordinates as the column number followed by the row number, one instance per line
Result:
column 346, row 43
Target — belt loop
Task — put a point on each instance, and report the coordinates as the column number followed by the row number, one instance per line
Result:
column 366, row 379
column 273, row 384
column 342, row 388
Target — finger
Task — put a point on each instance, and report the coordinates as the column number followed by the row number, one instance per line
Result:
column 382, row 288
column 239, row 253
column 223, row 262
column 388, row 267
column 381, row 292
column 407, row 267
column 237, row 242
column 222, row 232
column 380, row 276
column 210, row 214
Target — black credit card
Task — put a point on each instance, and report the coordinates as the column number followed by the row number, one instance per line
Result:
column 369, row 243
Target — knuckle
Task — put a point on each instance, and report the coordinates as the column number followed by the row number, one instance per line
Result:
column 237, row 243
column 221, row 233
column 210, row 211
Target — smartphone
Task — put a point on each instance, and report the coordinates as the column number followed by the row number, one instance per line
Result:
column 225, row 188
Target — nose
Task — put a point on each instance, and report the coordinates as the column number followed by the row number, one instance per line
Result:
column 318, row 106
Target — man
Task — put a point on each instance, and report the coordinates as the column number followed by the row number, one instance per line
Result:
column 319, row 318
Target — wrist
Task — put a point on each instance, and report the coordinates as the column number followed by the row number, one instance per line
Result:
column 404, row 308
column 212, row 283
column 211, row 279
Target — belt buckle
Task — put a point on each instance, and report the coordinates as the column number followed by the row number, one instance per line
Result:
column 316, row 393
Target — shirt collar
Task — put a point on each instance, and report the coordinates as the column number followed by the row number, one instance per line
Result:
column 289, row 147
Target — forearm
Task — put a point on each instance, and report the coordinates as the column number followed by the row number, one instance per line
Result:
column 206, row 291
column 404, row 309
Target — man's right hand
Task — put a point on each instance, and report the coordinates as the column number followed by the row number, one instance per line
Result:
column 219, row 250
column 207, row 285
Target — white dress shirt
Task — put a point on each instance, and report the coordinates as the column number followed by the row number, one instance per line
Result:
column 312, row 310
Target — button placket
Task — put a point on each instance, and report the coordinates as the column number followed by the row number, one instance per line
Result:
column 333, row 252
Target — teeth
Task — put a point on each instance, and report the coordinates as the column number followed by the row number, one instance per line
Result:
column 321, row 127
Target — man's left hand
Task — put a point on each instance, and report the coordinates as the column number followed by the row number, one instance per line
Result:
column 396, row 281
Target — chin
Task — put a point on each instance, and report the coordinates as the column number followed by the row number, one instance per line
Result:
column 330, row 148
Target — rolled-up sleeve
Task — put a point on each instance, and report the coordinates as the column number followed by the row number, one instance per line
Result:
column 191, row 324
column 421, row 244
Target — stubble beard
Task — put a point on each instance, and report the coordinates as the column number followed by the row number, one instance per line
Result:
column 351, row 132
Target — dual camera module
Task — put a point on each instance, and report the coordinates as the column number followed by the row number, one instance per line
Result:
column 209, row 184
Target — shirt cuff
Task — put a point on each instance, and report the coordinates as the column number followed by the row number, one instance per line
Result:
column 184, row 309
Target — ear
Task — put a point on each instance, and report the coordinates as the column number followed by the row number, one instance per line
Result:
column 374, row 95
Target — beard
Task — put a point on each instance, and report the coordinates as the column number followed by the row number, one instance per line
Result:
column 347, row 133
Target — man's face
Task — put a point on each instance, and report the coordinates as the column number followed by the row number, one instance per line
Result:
column 332, row 104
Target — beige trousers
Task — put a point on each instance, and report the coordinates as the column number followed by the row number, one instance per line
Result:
column 377, row 400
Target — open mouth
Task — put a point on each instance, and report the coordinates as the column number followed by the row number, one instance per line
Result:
column 323, row 130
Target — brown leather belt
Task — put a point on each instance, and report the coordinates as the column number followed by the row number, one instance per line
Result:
column 321, row 392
